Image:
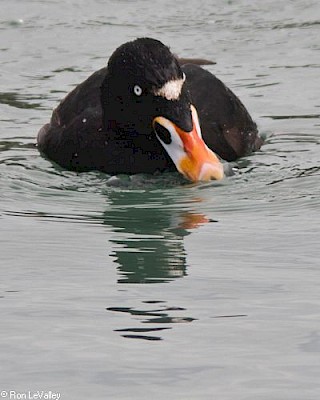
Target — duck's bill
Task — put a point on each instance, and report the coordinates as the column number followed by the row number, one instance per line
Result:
column 188, row 151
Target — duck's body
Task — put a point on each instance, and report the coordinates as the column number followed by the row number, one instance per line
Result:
column 76, row 139
column 95, row 128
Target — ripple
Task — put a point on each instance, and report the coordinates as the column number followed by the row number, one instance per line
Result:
column 302, row 116
column 78, row 219
column 35, row 188
column 12, row 23
column 110, row 23
column 297, row 25
column 160, row 316
column 21, row 101
column 294, row 66
column 67, row 69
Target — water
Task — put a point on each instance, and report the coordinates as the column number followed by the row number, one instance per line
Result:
column 150, row 287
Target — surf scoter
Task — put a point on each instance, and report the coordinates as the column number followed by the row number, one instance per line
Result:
column 142, row 113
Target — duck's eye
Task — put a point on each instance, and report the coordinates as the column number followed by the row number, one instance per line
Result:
column 137, row 90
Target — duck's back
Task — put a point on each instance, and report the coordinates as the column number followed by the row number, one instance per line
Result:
column 226, row 125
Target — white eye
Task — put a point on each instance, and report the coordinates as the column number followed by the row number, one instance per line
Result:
column 137, row 90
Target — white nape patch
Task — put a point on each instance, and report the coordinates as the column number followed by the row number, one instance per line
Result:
column 171, row 90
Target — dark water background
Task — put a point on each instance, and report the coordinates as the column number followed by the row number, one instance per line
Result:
column 147, row 287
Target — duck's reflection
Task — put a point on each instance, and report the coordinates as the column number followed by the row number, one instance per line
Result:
column 147, row 245
column 159, row 314
column 147, row 239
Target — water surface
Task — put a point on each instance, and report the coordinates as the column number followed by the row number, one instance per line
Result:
column 148, row 286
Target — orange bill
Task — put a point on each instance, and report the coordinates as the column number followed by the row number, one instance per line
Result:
column 189, row 152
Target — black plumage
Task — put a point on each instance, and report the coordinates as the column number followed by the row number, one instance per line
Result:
column 106, row 122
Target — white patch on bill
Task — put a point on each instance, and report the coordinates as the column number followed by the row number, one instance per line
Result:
column 171, row 90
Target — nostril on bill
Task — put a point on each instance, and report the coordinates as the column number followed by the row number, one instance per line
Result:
column 163, row 133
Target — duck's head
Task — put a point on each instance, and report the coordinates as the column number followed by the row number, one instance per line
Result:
column 145, row 93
